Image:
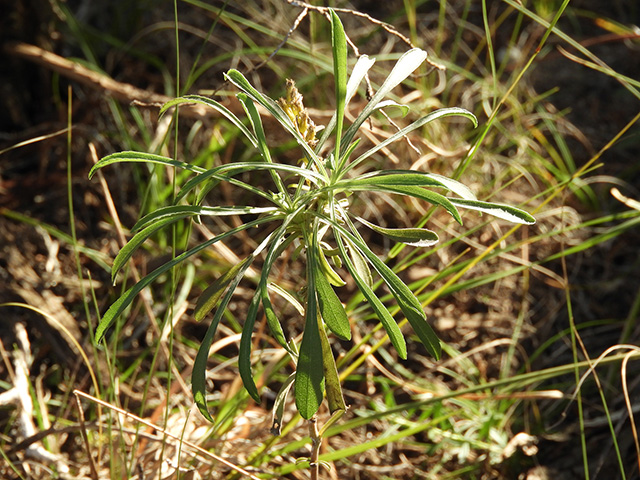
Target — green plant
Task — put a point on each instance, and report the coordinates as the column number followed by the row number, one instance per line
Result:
column 310, row 214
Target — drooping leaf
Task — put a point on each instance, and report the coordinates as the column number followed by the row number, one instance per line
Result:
column 412, row 191
column 332, row 379
column 198, row 376
column 274, row 240
column 309, row 370
column 279, row 404
column 416, row 237
column 407, row 301
column 217, row 107
column 505, row 212
column 140, row 157
column 387, row 321
column 331, row 308
column 209, row 299
column 120, row 305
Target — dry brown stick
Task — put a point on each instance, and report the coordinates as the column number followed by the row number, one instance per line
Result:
column 124, row 92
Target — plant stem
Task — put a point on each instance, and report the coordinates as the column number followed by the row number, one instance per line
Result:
column 316, row 440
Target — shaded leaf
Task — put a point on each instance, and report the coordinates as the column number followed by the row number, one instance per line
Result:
column 198, row 376
column 309, row 370
column 332, row 379
column 331, row 308
column 213, row 293
column 387, row 321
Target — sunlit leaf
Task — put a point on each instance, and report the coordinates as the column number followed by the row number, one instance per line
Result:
column 140, row 157
column 416, row 237
column 505, row 212
column 387, row 321
column 216, row 106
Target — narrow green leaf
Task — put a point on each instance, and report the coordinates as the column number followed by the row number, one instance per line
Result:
column 331, row 308
column 221, row 173
column 407, row 301
column 139, row 157
column 331, row 274
column 275, row 240
column 387, row 321
column 332, row 379
column 438, row 114
column 216, row 106
column 416, row 237
column 339, row 47
column 137, row 240
column 360, row 69
column 413, row 191
column 256, row 123
column 211, row 296
column 198, row 376
column 272, row 320
column 183, row 211
column 505, row 212
column 116, row 309
column 404, row 67
column 360, row 264
column 309, row 371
